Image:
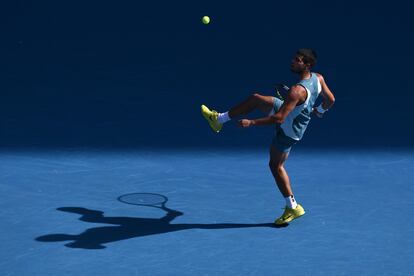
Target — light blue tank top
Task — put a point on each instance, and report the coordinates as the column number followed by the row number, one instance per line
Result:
column 298, row 119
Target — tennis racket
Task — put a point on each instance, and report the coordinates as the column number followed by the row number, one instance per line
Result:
column 281, row 90
column 151, row 200
column 145, row 199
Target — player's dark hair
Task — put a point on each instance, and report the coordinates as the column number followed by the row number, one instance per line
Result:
column 308, row 56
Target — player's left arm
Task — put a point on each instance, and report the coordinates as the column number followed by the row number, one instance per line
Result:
column 327, row 95
column 294, row 95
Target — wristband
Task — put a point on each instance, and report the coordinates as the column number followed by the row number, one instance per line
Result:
column 320, row 109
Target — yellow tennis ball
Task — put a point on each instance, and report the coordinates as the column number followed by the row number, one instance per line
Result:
column 205, row 20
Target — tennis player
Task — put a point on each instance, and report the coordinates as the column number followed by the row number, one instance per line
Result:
column 291, row 117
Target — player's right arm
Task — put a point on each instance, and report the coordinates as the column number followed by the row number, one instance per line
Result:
column 327, row 95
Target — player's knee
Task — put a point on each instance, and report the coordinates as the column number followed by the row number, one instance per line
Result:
column 256, row 95
column 256, row 98
column 276, row 167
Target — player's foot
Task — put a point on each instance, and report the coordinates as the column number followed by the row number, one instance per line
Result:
column 211, row 116
column 290, row 214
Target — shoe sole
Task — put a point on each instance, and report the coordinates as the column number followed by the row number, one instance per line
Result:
column 290, row 219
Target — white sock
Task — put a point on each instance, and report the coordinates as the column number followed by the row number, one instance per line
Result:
column 223, row 117
column 291, row 202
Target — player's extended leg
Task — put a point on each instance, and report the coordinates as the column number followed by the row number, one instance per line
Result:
column 253, row 102
column 276, row 164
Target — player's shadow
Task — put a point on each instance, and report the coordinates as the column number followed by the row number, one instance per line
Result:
column 129, row 227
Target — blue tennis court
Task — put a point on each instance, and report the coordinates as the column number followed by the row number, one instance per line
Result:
column 358, row 218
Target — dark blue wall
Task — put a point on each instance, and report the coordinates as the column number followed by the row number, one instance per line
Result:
column 127, row 74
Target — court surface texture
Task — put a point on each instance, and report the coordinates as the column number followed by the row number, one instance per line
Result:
column 60, row 213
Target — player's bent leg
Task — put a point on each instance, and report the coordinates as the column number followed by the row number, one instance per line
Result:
column 266, row 104
column 254, row 101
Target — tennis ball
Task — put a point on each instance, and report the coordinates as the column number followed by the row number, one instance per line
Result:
column 205, row 20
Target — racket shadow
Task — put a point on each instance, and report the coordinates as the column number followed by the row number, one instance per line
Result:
column 123, row 228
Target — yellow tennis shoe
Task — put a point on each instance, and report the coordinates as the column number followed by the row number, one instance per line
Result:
column 211, row 116
column 290, row 214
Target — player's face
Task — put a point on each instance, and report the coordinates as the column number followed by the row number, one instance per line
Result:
column 297, row 65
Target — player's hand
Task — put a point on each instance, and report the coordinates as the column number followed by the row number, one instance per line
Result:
column 319, row 115
column 245, row 123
